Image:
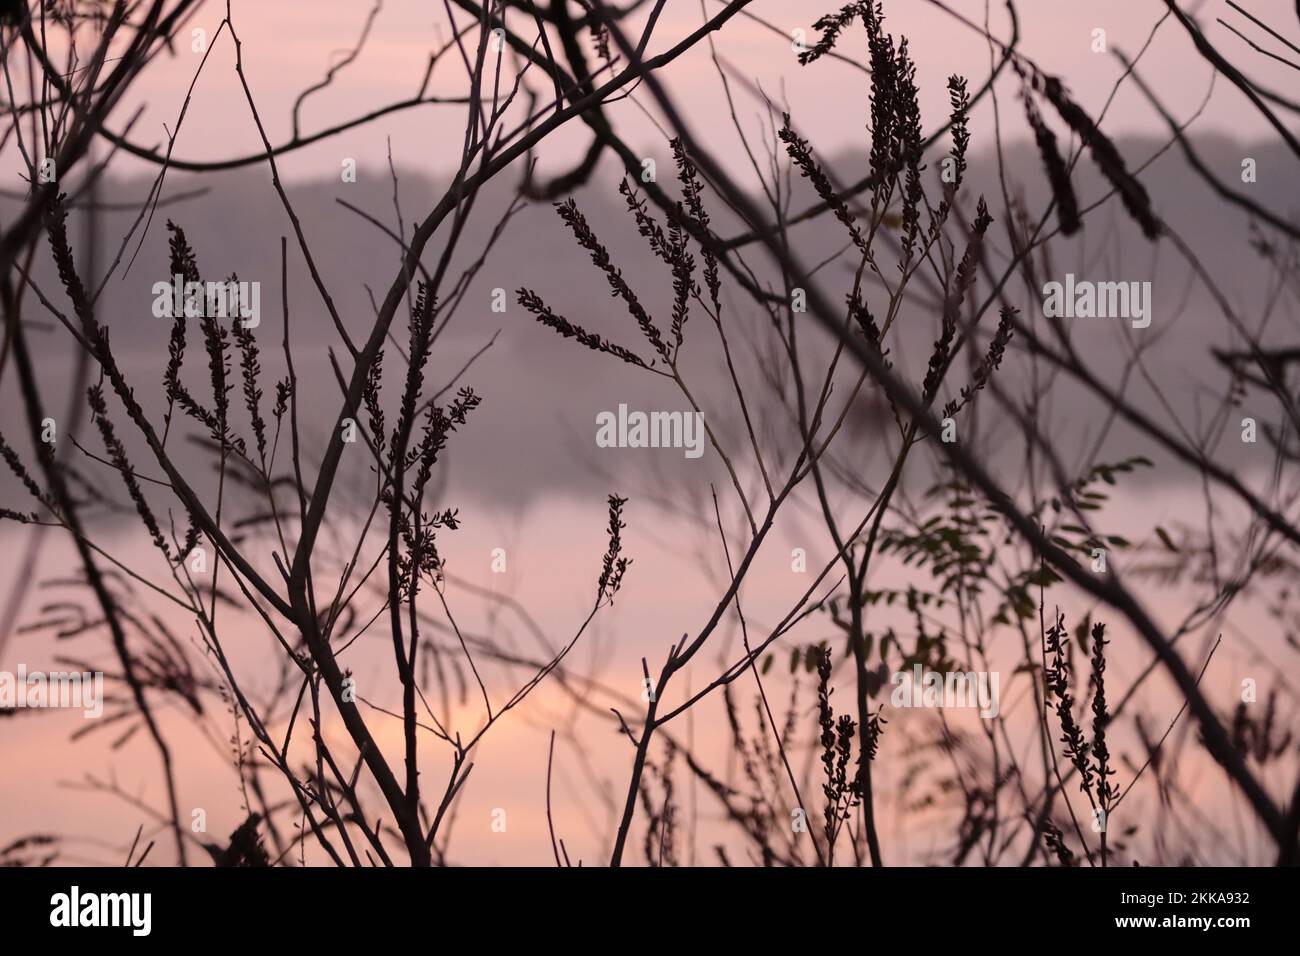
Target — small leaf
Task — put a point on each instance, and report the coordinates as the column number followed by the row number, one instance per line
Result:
column 1163, row 535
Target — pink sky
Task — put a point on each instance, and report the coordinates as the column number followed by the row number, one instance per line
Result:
column 288, row 47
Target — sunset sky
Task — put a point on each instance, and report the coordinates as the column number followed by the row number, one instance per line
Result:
column 288, row 47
